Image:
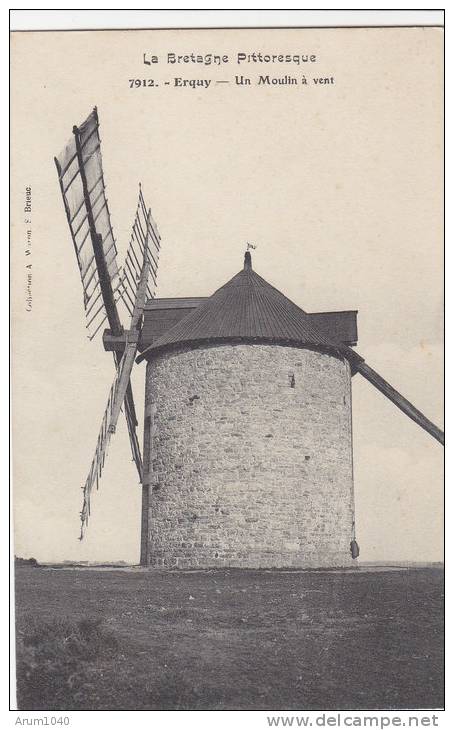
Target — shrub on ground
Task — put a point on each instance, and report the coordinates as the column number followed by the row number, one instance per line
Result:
column 59, row 664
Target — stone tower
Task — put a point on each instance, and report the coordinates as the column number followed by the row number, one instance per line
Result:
column 248, row 435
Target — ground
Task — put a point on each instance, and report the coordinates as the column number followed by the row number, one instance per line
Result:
column 229, row 639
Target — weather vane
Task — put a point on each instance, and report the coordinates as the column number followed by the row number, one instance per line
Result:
column 250, row 245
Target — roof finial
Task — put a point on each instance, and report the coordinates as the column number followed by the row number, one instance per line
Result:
column 247, row 256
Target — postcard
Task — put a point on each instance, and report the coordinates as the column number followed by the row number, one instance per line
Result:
column 227, row 368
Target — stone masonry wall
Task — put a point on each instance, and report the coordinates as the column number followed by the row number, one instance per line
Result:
column 251, row 458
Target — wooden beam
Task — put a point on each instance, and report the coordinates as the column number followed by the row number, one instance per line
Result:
column 130, row 352
column 106, row 286
column 113, row 343
column 148, row 434
column 399, row 400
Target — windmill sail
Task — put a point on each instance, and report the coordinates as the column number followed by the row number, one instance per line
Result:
column 83, row 190
column 143, row 226
column 118, row 394
column 99, row 457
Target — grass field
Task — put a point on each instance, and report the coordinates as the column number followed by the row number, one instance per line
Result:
column 229, row 639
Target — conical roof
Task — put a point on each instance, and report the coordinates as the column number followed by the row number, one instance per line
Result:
column 247, row 308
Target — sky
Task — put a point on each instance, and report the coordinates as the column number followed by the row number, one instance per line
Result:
column 340, row 188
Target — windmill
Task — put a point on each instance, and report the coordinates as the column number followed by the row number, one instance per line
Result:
column 227, row 376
